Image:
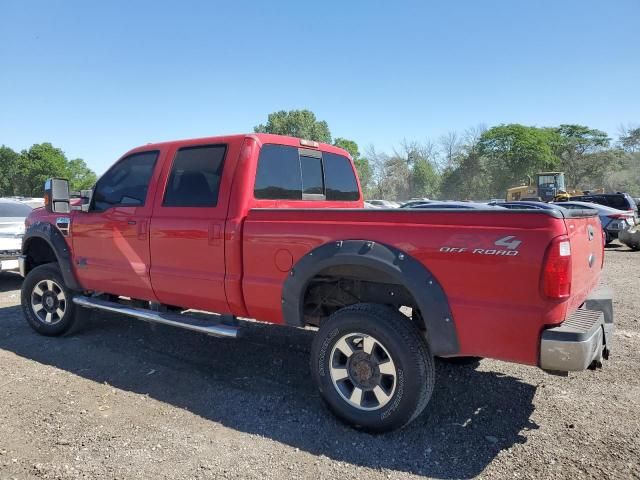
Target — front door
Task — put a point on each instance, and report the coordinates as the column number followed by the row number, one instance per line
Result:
column 111, row 240
column 187, row 230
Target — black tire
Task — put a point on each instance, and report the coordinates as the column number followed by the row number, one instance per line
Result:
column 608, row 238
column 397, row 336
column 61, row 301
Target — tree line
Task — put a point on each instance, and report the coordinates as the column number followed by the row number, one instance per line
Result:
column 477, row 164
column 24, row 173
column 481, row 162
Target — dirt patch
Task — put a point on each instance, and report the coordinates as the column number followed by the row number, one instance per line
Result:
column 123, row 399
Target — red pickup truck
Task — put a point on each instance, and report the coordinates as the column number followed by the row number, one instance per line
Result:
column 273, row 228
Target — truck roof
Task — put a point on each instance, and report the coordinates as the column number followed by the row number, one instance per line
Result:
column 261, row 138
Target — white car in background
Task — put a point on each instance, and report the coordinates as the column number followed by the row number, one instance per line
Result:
column 382, row 203
column 12, row 216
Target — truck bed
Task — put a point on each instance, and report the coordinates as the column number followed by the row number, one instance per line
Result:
column 494, row 294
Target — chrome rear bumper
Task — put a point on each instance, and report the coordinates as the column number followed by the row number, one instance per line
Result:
column 584, row 339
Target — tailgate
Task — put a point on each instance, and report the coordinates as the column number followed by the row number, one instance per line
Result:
column 587, row 248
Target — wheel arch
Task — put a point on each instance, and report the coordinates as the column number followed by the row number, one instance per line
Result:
column 396, row 265
column 44, row 243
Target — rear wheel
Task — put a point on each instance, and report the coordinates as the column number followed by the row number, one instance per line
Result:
column 46, row 302
column 372, row 366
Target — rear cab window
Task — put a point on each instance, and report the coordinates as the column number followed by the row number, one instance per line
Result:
column 290, row 173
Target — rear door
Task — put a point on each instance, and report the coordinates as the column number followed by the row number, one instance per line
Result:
column 186, row 235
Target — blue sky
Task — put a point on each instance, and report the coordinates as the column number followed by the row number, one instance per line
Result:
column 98, row 78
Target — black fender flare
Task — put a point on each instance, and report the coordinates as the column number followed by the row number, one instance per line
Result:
column 404, row 269
column 54, row 238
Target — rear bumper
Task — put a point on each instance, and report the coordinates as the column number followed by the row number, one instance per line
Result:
column 584, row 339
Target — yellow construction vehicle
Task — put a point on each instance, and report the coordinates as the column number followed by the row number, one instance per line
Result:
column 549, row 186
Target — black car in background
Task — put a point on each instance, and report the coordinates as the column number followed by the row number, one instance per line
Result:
column 620, row 201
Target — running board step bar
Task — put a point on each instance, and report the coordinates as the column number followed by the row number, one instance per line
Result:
column 171, row 319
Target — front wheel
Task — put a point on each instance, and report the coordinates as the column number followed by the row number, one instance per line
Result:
column 46, row 301
column 373, row 367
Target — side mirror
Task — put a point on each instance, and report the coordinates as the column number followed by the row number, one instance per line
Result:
column 56, row 195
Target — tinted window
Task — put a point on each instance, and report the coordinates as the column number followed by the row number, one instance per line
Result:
column 311, row 175
column 619, row 202
column 126, row 183
column 278, row 175
column 195, row 177
column 14, row 210
column 339, row 178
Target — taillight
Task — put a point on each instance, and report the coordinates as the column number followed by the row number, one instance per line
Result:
column 556, row 273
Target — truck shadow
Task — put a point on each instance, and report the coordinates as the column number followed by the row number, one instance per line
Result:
column 10, row 281
column 260, row 385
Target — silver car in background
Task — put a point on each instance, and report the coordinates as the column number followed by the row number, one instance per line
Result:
column 12, row 216
column 613, row 220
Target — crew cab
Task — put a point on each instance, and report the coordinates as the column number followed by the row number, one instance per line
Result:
column 273, row 228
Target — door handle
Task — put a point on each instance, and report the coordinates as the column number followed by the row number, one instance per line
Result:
column 142, row 230
column 215, row 234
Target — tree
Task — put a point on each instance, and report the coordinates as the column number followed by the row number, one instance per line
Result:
column 469, row 179
column 581, row 152
column 33, row 166
column 515, row 151
column 8, row 162
column 450, row 145
column 349, row 145
column 424, row 179
column 80, row 176
column 37, row 164
column 395, row 182
column 296, row 123
column 630, row 139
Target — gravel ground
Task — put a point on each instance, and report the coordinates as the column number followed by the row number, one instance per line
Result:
column 124, row 399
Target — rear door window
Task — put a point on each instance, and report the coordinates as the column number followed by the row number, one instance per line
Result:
column 195, row 177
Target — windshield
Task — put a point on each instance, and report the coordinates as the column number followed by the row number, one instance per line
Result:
column 14, row 210
column 555, row 181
